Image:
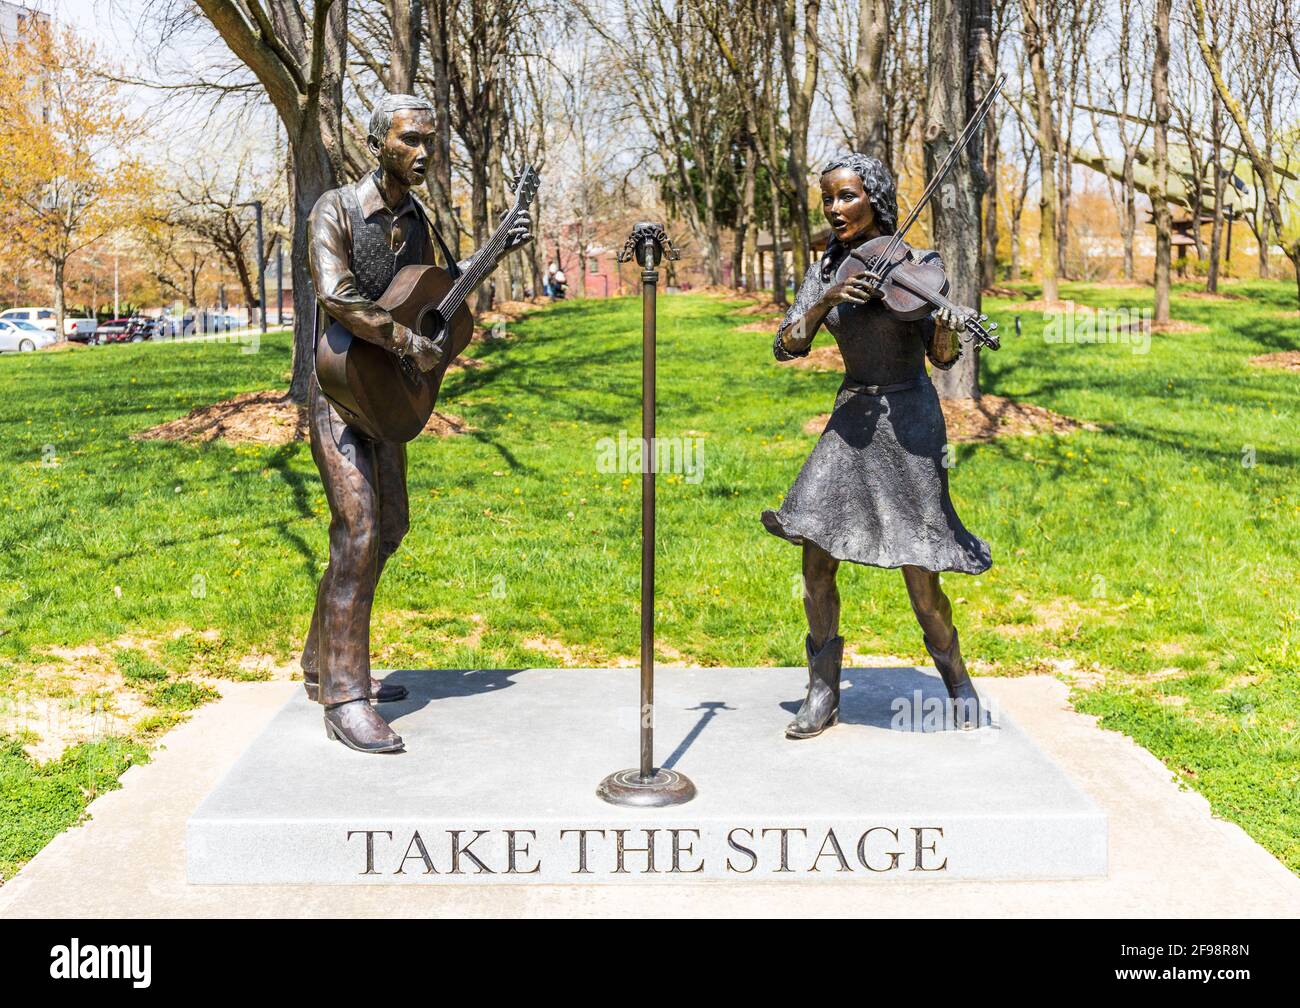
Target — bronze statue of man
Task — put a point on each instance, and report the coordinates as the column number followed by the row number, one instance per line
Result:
column 359, row 236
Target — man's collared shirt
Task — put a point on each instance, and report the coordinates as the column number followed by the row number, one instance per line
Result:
column 329, row 251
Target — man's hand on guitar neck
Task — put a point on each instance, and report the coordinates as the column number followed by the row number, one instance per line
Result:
column 423, row 352
column 520, row 234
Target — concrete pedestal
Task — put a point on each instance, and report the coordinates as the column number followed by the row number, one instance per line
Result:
column 498, row 785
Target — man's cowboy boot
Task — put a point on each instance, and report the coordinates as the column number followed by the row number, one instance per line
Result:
column 821, row 707
column 966, row 702
column 379, row 692
column 357, row 726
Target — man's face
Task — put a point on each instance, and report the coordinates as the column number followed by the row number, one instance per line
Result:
column 406, row 149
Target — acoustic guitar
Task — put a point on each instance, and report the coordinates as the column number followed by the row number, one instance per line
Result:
column 383, row 393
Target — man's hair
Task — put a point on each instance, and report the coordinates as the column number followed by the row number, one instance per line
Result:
column 381, row 119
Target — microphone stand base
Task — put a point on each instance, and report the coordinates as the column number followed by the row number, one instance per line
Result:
column 629, row 788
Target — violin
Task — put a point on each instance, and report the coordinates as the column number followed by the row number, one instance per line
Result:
column 910, row 287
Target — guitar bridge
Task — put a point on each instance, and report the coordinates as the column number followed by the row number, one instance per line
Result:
column 409, row 370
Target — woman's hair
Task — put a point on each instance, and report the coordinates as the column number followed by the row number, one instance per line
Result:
column 877, row 183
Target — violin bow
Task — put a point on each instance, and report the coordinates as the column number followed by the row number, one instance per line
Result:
column 953, row 154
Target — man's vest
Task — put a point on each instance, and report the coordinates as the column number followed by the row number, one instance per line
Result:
column 374, row 263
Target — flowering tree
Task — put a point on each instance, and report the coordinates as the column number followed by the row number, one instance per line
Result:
column 67, row 183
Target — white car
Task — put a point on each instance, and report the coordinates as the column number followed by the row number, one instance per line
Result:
column 19, row 336
column 79, row 329
column 42, row 318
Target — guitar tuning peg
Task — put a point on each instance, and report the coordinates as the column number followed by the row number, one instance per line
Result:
column 984, row 318
column 992, row 326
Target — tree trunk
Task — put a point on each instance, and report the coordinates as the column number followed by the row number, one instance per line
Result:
column 989, row 257
column 311, row 174
column 512, row 273
column 311, row 110
column 800, row 91
column 1128, row 226
column 1160, row 160
column 1220, row 180
column 1064, row 189
column 712, row 238
column 753, row 271
column 744, row 219
column 404, row 52
column 1045, row 137
column 774, row 198
column 438, row 181
column 478, row 173
column 778, row 259
column 956, row 48
column 869, row 123
column 59, row 267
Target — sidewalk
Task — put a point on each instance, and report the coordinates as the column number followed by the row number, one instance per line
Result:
column 1168, row 855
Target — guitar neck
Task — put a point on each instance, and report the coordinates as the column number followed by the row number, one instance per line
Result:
column 480, row 266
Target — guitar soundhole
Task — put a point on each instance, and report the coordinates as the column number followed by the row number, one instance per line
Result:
column 429, row 323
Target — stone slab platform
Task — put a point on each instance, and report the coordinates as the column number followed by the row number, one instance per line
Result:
column 498, row 785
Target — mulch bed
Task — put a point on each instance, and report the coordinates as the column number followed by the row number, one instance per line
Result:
column 1210, row 296
column 974, row 421
column 1287, row 360
column 1059, row 307
column 967, row 420
column 764, row 307
column 1178, row 326
column 267, row 418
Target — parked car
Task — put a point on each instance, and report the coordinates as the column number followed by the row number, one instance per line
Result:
column 42, row 318
column 142, row 328
column 23, row 337
column 177, row 328
column 112, row 331
column 80, row 330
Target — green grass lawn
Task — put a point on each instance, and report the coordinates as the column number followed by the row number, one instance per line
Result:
column 1152, row 561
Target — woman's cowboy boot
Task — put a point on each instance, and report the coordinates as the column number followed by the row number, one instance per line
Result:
column 966, row 702
column 357, row 726
column 821, row 707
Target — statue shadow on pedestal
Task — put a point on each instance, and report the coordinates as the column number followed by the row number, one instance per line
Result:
column 427, row 686
column 896, row 699
column 709, row 709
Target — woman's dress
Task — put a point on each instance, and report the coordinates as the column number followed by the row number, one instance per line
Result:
column 875, row 488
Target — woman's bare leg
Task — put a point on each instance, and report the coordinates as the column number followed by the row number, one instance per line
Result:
column 934, row 613
column 821, row 595
column 931, row 605
column 824, row 647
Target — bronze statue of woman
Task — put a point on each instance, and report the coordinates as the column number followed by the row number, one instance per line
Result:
column 874, row 490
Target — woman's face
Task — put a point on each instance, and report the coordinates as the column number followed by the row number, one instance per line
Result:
column 845, row 204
